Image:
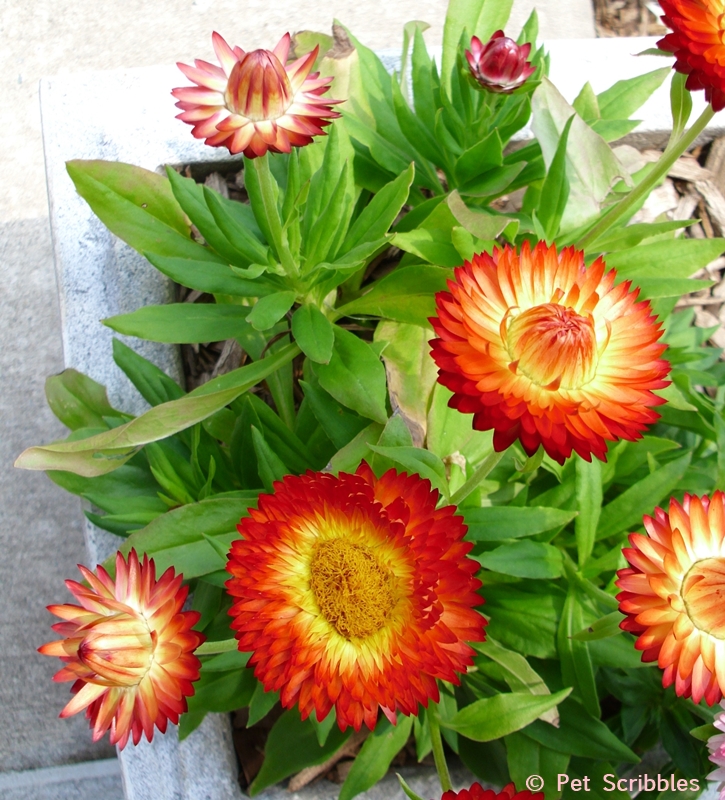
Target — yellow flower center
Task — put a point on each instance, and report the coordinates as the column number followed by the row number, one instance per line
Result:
column 703, row 593
column 552, row 345
column 119, row 649
column 354, row 591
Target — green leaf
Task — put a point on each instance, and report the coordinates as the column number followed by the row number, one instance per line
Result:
column 623, row 98
column 586, row 104
column 380, row 213
column 291, row 746
column 138, row 206
column 223, row 662
column 355, row 376
column 407, row 294
column 485, row 226
column 192, row 197
column 314, row 333
column 651, row 288
column 417, row 460
column 495, row 523
column 235, row 221
column 591, row 167
column 483, row 156
column 680, row 103
column 555, row 191
column 524, row 560
column 603, row 628
column 261, row 704
column 330, row 226
column 339, row 424
column 525, row 621
column 478, row 17
column 154, row 385
column 220, row 692
column 183, row 323
column 408, row 791
column 493, row 717
column 270, row 465
column 430, row 245
column 410, row 370
column 376, row 755
column 177, row 538
column 627, row 509
column 349, row 457
column 269, row 310
column 519, row 674
column 576, row 663
column 589, row 504
column 525, row 758
column 674, row 258
column 580, row 734
column 107, row 451
column 206, row 276
column 78, row 401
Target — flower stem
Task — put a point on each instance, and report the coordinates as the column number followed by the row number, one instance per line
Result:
column 437, row 744
column 488, row 464
column 212, row 648
column 271, row 210
column 673, row 151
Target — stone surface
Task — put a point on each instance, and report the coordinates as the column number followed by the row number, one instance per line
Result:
column 40, row 529
column 90, row 780
column 422, row 780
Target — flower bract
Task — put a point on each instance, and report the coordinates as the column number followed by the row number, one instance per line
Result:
column 500, row 65
column 128, row 647
column 540, row 348
column 354, row 592
column 697, row 43
column 672, row 595
column 477, row 792
column 716, row 748
column 255, row 101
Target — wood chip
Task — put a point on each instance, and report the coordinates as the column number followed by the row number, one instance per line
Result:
column 218, row 184
column 307, row 775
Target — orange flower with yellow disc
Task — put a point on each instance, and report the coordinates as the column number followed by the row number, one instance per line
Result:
column 673, row 591
column 697, row 43
column 128, row 647
column 255, row 101
column 354, row 592
column 540, row 348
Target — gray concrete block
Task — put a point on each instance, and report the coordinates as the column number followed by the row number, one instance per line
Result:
column 422, row 780
column 92, row 780
column 40, row 531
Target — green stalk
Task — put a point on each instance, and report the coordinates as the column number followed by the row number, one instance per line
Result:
column 674, row 150
column 212, row 648
column 488, row 464
column 266, row 184
column 437, row 743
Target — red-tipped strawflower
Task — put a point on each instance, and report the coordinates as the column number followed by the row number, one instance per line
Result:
column 540, row 348
column 477, row 792
column 672, row 595
column 129, row 649
column 697, row 43
column 500, row 65
column 255, row 101
column 355, row 593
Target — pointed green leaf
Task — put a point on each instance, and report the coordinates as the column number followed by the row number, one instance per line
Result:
column 183, row 323
column 314, row 333
column 269, row 310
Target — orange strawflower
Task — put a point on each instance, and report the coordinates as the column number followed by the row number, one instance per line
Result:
column 697, row 43
column 255, row 102
column 356, row 593
column 477, row 792
column 672, row 595
column 129, row 648
column 540, row 348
